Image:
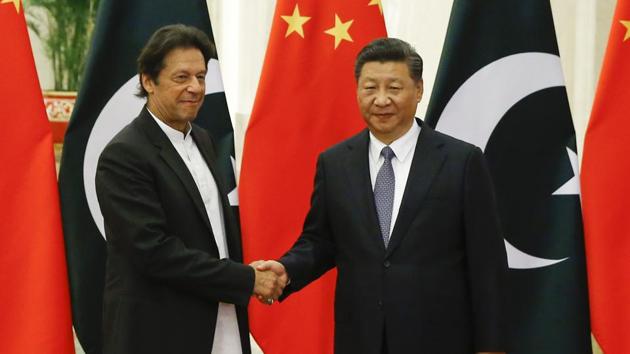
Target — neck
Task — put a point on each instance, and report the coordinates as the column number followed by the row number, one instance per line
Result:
column 177, row 125
column 387, row 139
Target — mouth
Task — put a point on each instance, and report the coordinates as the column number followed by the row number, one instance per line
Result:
column 190, row 102
column 383, row 115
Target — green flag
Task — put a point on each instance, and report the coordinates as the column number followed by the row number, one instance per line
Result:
column 106, row 103
column 500, row 87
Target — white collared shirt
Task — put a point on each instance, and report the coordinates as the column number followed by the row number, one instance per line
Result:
column 404, row 149
column 226, row 335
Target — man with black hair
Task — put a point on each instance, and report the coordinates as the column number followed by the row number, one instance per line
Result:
column 174, row 278
column 408, row 217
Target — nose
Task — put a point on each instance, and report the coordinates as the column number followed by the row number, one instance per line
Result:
column 196, row 85
column 382, row 99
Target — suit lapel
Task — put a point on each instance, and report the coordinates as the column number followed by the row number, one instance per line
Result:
column 427, row 161
column 358, row 173
column 231, row 226
column 174, row 161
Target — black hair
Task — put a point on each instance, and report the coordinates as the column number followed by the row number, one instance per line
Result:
column 162, row 42
column 390, row 49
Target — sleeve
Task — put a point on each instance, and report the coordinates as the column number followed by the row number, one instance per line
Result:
column 313, row 254
column 136, row 227
column 486, row 255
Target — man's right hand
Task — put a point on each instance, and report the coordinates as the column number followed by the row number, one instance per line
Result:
column 268, row 285
column 275, row 267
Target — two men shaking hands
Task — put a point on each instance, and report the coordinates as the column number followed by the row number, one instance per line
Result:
column 406, row 214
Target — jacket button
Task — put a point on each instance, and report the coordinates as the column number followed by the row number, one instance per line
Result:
column 379, row 303
column 386, row 264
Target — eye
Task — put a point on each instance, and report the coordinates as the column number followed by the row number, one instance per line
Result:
column 181, row 78
column 395, row 88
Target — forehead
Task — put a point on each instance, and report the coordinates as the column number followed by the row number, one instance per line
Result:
column 179, row 58
column 392, row 70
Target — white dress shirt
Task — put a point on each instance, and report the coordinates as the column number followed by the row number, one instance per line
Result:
column 404, row 149
column 226, row 334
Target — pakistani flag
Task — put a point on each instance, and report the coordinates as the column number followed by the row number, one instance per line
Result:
column 500, row 87
column 106, row 103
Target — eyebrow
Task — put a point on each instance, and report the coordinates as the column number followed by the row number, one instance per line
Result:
column 386, row 79
column 184, row 71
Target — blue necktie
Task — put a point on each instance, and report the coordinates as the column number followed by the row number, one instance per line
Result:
column 384, row 193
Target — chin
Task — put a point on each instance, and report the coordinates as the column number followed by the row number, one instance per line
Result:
column 190, row 115
column 383, row 127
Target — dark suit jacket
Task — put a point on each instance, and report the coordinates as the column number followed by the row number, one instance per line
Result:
column 437, row 288
column 164, row 278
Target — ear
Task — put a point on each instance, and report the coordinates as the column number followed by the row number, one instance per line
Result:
column 147, row 83
column 419, row 90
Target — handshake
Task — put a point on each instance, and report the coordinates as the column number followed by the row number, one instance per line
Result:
column 271, row 278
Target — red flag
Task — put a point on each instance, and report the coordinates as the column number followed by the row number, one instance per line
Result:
column 606, row 193
column 306, row 101
column 34, row 301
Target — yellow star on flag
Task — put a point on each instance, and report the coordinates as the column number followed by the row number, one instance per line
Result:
column 627, row 25
column 340, row 31
column 16, row 3
column 295, row 22
column 377, row 2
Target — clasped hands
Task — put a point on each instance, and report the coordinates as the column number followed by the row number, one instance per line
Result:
column 271, row 278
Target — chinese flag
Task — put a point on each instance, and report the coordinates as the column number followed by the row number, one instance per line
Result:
column 306, row 101
column 34, row 301
column 606, row 193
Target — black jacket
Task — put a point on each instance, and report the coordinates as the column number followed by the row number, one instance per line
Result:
column 438, row 287
column 164, row 278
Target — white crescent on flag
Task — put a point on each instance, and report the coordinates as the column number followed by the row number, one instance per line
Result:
column 480, row 103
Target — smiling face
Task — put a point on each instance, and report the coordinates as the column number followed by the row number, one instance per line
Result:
column 388, row 98
column 176, row 95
